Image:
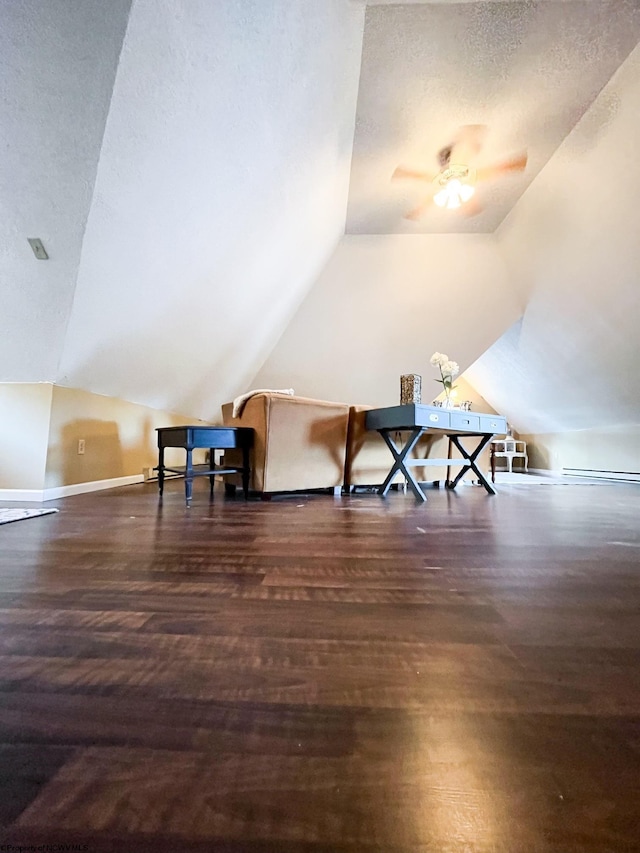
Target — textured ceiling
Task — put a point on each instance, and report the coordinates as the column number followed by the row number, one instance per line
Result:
column 526, row 70
column 58, row 63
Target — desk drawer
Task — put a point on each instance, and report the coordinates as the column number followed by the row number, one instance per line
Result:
column 438, row 420
column 465, row 420
column 493, row 423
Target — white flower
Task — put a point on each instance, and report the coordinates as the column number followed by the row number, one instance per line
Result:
column 439, row 358
column 450, row 368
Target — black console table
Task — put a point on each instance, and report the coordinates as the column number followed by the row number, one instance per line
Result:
column 212, row 437
column 417, row 419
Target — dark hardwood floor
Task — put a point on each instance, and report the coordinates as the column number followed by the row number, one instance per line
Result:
column 322, row 674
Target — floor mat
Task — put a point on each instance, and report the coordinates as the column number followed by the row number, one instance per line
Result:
column 11, row 514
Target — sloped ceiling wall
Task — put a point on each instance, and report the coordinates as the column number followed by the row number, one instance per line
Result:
column 572, row 246
column 221, row 192
column 382, row 306
column 57, row 65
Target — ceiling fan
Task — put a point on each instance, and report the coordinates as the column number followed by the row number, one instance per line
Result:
column 455, row 184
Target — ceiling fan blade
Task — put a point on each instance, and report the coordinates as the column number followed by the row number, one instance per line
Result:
column 467, row 144
column 513, row 164
column 418, row 212
column 413, row 174
column 472, row 207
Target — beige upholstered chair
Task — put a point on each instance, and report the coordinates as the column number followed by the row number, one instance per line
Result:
column 299, row 443
column 368, row 459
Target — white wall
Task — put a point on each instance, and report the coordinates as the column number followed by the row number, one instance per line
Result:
column 41, row 424
column 120, row 438
column 220, row 194
column 382, row 306
column 572, row 246
column 57, row 65
column 613, row 452
column 25, row 410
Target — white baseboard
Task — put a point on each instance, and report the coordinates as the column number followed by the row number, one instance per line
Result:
column 40, row 495
column 546, row 472
column 92, row 486
column 20, row 495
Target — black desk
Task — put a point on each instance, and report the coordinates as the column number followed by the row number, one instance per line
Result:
column 417, row 420
column 215, row 438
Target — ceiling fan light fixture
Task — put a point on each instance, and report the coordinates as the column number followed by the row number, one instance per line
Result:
column 454, row 184
column 441, row 198
column 466, row 191
column 453, row 194
column 453, row 201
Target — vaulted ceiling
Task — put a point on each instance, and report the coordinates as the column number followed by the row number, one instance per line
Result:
column 527, row 71
column 194, row 167
column 58, row 63
column 186, row 164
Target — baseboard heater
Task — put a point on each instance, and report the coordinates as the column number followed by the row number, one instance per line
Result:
column 595, row 474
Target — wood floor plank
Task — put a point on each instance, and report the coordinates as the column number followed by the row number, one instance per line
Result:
column 25, row 768
column 313, row 674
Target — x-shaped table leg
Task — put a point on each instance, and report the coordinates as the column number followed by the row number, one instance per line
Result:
column 471, row 459
column 398, row 465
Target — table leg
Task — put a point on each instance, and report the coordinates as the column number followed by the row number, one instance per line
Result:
column 471, row 459
column 161, row 470
column 246, row 471
column 188, row 476
column 492, row 456
column 398, row 465
column 212, row 467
